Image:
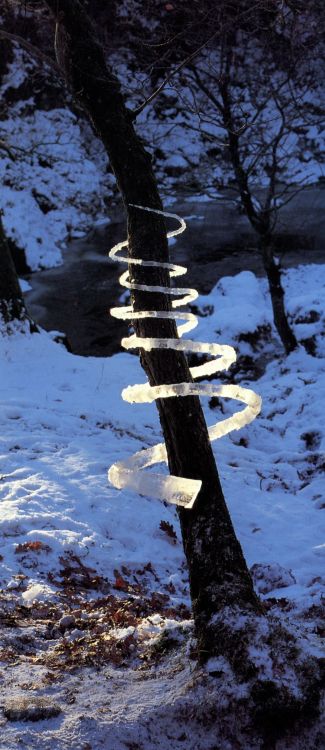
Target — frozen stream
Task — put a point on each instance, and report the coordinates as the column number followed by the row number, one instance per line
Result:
column 75, row 297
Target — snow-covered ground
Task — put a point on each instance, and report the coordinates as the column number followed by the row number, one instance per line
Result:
column 74, row 547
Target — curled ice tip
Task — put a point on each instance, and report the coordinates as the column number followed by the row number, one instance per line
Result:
column 129, row 473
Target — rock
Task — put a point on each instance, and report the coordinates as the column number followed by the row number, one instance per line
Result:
column 66, row 622
column 30, row 709
column 75, row 634
column 176, row 165
column 272, row 576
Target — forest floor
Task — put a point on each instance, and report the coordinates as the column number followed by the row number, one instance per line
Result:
column 97, row 647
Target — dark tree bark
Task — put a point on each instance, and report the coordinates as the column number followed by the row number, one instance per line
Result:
column 273, row 273
column 217, row 569
column 11, row 300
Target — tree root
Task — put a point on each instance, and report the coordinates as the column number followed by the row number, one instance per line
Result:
column 269, row 663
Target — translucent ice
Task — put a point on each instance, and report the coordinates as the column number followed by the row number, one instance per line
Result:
column 129, row 473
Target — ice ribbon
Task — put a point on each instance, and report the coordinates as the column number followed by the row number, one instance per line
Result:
column 128, row 473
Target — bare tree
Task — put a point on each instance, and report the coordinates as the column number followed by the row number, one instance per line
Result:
column 258, row 111
column 250, row 88
column 246, row 153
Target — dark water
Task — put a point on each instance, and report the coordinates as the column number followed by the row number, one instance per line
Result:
column 75, row 298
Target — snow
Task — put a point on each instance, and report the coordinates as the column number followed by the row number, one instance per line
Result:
column 203, row 198
column 252, row 306
column 16, row 70
column 63, row 423
column 25, row 285
column 286, row 443
column 176, row 160
column 241, row 305
column 62, row 433
column 54, row 178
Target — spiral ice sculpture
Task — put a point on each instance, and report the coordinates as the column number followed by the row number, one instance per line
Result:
column 129, row 473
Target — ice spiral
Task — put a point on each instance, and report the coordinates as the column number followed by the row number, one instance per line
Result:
column 129, row 473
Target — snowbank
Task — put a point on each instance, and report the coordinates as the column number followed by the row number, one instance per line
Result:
column 53, row 172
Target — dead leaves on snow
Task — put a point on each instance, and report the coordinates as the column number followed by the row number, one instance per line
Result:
column 31, row 547
column 75, row 576
column 117, row 629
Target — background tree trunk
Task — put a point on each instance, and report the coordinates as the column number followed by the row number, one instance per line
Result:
column 217, row 569
column 11, row 300
column 273, row 274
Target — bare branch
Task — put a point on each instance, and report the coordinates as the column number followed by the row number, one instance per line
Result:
column 179, row 67
column 33, row 51
column 206, row 90
column 5, row 147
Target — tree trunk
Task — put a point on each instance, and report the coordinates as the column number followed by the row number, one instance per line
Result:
column 217, row 569
column 273, row 274
column 11, row 300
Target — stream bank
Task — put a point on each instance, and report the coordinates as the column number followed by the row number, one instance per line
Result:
column 75, row 297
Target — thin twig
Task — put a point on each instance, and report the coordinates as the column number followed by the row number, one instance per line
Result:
column 33, row 51
column 179, row 67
